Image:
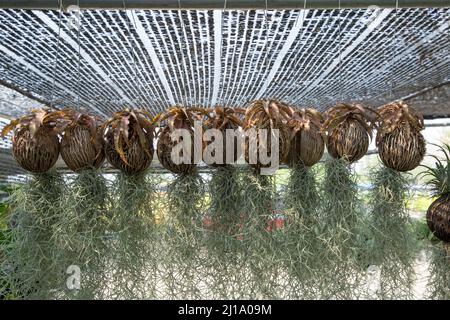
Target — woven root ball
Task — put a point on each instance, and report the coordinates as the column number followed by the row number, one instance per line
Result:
column 401, row 150
column 80, row 150
column 234, row 152
column 38, row 153
column 164, row 153
column 438, row 218
column 137, row 159
column 349, row 141
column 401, row 145
column 307, row 148
column 283, row 146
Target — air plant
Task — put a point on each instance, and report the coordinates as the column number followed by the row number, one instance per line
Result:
column 267, row 115
column 348, row 129
column 224, row 219
column 400, row 144
column 129, row 140
column 392, row 245
column 34, row 260
column 338, row 227
column 438, row 214
column 35, row 142
column 223, row 119
column 307, row 142
column 302, row 202
column 185, row 195
column 133, row 243
column 82, row 145
column 183, row 238
column 178, row 118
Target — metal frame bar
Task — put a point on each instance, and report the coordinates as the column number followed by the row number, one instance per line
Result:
column 218, row 4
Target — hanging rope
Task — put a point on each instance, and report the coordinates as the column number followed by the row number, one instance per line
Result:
column 133, row 54
column 302, row 13
column 79, row 54
column 394, row 52
column 341, row 93
column 266, row 62
column 220, row 49
column 55, row 62
column 186, row 88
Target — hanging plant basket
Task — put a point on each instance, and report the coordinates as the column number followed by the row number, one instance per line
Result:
column 177, row 118
column 269, row 115
column 438, row 214
column 223, row 119
column 129, row 140
column 35, row 142
column 307, row 142
column 400, row 144
column 349, row 129
column 82, row 144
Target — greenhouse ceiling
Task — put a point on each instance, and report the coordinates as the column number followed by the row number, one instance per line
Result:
column 105, row 60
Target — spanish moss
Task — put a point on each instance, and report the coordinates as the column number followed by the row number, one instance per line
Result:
column 392, row 246
column 133, row 238
column 33, row 260
column 339, row 224
column 183, row 240
column 439, row 281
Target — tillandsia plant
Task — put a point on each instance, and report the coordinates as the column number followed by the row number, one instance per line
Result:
column 35, row 258
column 338, row 226
column 392, row 248
column 133, row 243
column 438, row 214
column 438, row 220
column 262, row 238
column 129, row 140
column 82, row 232
column 392, row 244
column 82, row 144
column 302, row 202
column 186, row 196
column 36, row 267
column 222, row 119
column 307, row 141
column 223, row 221
column 178, row 118
column 267, row 115
column 348, row 129
column 35, row 141
column 400, row 144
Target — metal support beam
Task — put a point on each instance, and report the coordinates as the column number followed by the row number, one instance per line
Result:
column 218, row 4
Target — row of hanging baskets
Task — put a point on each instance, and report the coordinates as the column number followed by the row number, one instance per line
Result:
column 229, row 233
column 126, row 140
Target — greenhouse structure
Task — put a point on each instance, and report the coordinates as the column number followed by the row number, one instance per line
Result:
column 225, row 149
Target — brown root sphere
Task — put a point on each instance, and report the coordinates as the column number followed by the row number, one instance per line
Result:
column 307, row 143
column 178, row 117
column 129, row 141
column 164, row 153
column 268, row 115
column 81, row 150
column 438, row 218
column 283, row 151
column 223, row 119
column 35, row 153
column 137, row 159
column 349, row 141
column 349, row 129
column 401, row 146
